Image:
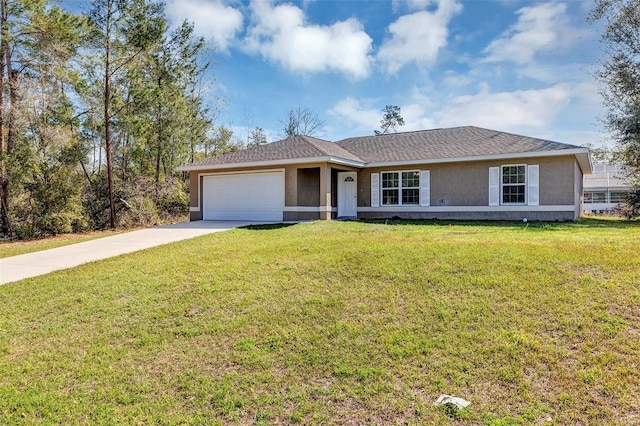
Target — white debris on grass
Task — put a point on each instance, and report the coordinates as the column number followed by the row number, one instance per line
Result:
column 448, row 399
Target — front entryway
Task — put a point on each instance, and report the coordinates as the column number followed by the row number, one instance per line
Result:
column 347, row 195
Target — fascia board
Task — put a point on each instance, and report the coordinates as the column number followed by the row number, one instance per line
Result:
column 288, row 161
column 582, row 155
column 555, row 153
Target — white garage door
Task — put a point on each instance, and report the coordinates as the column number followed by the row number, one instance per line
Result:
column 244, row 196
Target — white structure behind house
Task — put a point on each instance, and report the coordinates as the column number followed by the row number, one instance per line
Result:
column 605, row 188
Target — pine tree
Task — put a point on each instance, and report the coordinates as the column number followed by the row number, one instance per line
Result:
column 123, row 30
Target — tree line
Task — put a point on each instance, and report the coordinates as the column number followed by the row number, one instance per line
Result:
column 96, row 112
column 98, row 109
column 620, row 75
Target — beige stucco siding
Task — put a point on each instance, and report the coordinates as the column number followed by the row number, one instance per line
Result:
column 461, row 184
column 557, row 177
column 290, row 185
column 467, row 183
column 193, row 197
column 579, row 188
column 308, row 186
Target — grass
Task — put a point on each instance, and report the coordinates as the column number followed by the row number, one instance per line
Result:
column 335, row 323
column 15, row 248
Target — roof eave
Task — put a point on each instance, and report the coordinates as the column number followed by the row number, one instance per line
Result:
column 582, row 155
column 268, row 163
column 585, row 162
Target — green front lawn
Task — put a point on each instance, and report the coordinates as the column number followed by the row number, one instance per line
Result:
column 335, row 323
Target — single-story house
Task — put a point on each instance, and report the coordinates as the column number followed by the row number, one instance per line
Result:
column 456, row 173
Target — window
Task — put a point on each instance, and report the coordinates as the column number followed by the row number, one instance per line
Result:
column 595, row 197
column 617, row 197
column 390, row 188
column 588, row 197
column 400, row 188
column 514, row 184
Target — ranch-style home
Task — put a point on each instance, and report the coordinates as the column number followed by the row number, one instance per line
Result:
column 457, row 173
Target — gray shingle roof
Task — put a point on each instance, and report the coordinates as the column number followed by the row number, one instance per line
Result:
column 292, row 148
column 455, row 142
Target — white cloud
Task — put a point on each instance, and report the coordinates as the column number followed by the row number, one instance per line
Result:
column 212, row 19
column 361, row 113
column 455, row 79
column 281, row 34
column 520, row 111
column 415, row 118
column 539, row 28
column 358, row 112
column 411, row 5
column 417, row 37
column 506, row 110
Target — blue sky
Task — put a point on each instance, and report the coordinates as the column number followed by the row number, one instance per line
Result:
column 519, row 66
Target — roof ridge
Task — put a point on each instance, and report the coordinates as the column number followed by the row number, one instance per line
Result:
column 334, row 145
column 314, row 138
column 522, row 136
column 310, row 140
column 408, row 132
column 497, row 132
column 306, row 139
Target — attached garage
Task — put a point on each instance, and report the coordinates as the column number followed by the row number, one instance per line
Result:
column 244, row 196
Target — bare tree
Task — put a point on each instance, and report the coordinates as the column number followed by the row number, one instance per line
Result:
column 301, row 122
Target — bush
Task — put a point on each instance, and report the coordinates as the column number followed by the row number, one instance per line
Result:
column 632, row 208
column 37, row 213
column 145, row 203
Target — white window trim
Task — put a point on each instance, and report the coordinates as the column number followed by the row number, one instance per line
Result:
column 525, row 184
column 400, row 188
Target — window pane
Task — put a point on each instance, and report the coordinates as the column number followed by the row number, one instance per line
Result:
column 410, row 179
column 390, row 180
column 506, row 175
column 599, row 197
column 513, row 174
column 588, row 197
column 617, row 197
column 410, row 196
column 513, row 194
column 389, row 196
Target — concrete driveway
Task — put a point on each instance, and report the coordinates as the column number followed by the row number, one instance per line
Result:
column 29, row 265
